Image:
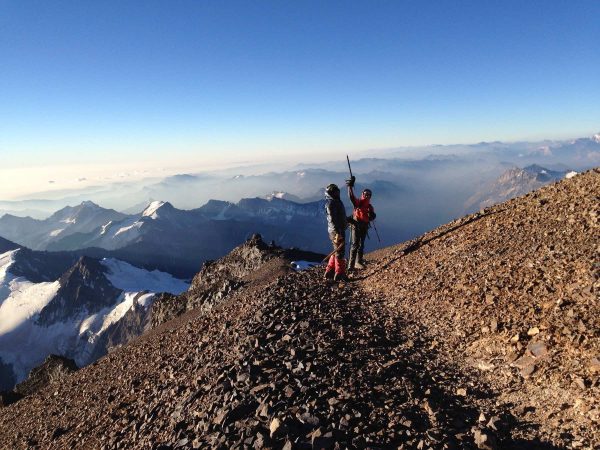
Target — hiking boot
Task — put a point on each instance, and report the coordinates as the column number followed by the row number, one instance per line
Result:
column 340, row 277
column 359, row 265
column 329, row 274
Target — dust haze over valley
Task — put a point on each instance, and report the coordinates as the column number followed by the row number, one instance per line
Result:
column 415, row 189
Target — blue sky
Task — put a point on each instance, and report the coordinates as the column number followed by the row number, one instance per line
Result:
column 103, row 82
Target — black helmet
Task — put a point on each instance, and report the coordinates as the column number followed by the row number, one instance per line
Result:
column 367, row 191
column 331, row 189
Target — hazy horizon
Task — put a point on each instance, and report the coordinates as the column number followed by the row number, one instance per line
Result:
column 27, row 183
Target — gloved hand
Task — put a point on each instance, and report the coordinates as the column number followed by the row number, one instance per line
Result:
column 372, row 215
column 350, row 182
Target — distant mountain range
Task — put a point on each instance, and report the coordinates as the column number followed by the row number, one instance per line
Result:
column 416, row 167
column 166, row 238
column 39, row 234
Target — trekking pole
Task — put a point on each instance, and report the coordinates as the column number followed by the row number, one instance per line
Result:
column 351, row 237
column 349, row 168
column 376, row 232
column 351, row 242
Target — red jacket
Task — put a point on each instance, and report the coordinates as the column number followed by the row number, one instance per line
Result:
column 362, row 208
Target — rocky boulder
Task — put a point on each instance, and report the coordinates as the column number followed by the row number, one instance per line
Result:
column 52, row 370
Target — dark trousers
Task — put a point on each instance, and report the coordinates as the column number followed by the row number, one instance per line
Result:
column 359, row 233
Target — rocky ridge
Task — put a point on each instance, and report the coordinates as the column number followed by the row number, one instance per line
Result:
column 513, row 183
column 253, row 261
column 480, row 334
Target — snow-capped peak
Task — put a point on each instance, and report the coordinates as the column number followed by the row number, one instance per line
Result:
column 71, row 214
column 152, row 208
column 275, row 194
column 6, row 260
column 596, row 138
column 129, row 278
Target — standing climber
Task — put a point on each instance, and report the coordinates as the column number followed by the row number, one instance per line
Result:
column 336, row 227
column 363, row 214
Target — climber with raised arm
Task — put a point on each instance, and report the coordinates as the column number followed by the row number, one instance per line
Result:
column 336, row 227
column 363, row 214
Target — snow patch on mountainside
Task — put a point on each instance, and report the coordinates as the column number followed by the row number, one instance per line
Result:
column 129, row 278
column 93, row 326
column 6, row 260
column 129, row 227
column 303, row 265
column 222, row 214
column 24, row 301
column 56, row 232
column 19, row 298
column 104, row 227
column 20, row 301
column 151, row 210
column 570, row 174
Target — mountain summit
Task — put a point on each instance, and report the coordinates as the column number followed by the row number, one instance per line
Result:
column 479, row 334
column 156, row 208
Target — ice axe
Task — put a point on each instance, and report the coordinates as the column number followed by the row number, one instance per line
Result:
column 332, row 252
column 349, row 168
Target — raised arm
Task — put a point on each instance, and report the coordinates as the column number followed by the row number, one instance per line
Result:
column 350, row 184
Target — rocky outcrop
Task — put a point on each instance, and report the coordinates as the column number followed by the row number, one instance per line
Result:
column 134, row 323
column 39, row 267
column 52, row 370
column 83, row 288
column 219, row 279
column 481, row 334
column 167, row 307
